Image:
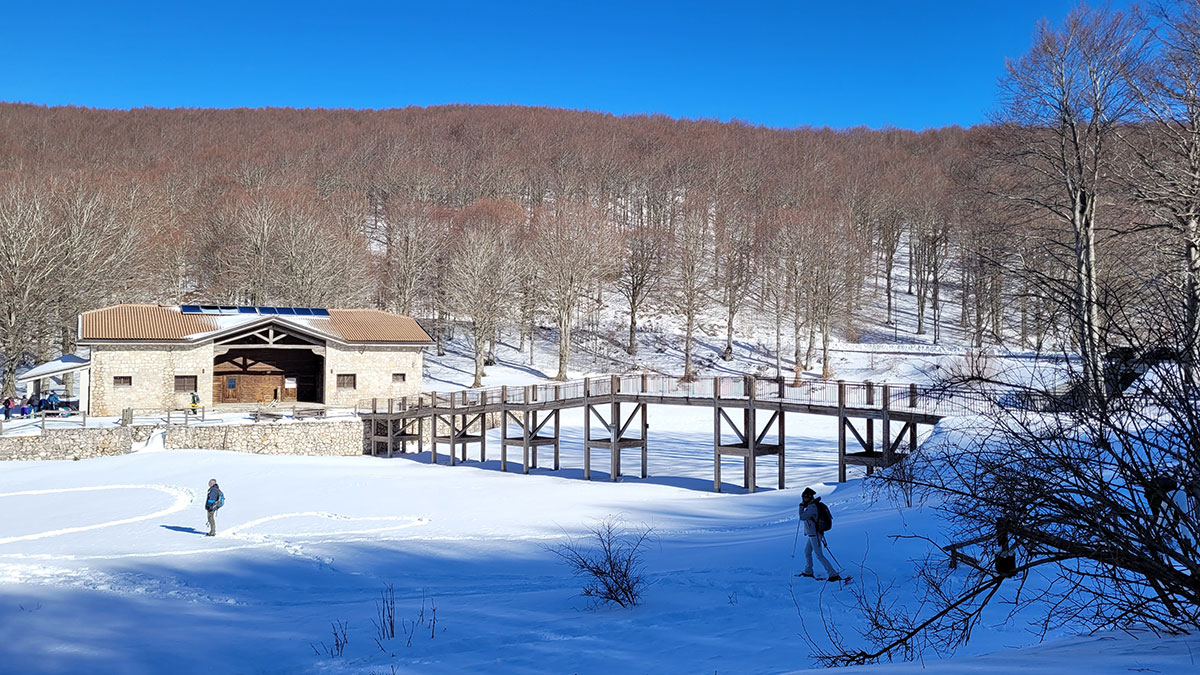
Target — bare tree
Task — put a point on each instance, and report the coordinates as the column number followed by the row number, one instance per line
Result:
column 642, row 268
column 691, row 244
column 1166, row 146
column 1063, row 104
column 575, row 249
column 483, row 278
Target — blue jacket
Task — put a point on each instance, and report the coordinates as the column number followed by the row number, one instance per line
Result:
column 214, row 498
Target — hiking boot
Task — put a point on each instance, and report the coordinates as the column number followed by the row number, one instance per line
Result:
column 806, row 574
column 834, row 578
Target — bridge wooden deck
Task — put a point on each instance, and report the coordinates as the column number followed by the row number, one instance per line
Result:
column 748, row 418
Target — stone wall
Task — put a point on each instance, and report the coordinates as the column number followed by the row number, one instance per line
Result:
column 153, row 369
column 67, row 444
column 314, row 437
column 373, row 368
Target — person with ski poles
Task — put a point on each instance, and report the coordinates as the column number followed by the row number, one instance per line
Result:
column 817, row 520
column 214, row 501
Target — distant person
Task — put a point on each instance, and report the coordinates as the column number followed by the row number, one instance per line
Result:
column 35, row 403
column 25, row 407
column 216, row 499
column 9, row 404
column 195, row 402
column 52, row 401
column 817, row 521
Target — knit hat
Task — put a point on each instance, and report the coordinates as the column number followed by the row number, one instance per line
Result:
column 808, row 492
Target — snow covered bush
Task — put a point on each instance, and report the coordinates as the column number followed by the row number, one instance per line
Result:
column 612, row 565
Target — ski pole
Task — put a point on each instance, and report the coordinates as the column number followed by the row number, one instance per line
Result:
column 830, row 551
column 796, row 540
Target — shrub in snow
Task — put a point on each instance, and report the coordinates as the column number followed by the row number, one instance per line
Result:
column 610, row 562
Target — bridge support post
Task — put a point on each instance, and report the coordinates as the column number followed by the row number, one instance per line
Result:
column 557, row 437
column 886, row 425
column 614, row 429
column 504, row 438
column 912, row 426
column 716, row 434
column 525, row 441
column 645, row 430
column 587, row 429
column 750, row 428
column 841, row 422
column 870, row 424
column 782, row 449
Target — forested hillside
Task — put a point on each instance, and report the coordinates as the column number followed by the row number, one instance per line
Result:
column 506, row 217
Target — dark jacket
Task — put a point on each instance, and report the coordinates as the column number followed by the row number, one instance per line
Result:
column 214, row 498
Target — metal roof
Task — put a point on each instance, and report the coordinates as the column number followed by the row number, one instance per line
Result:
column 67, row 363
column 156, row 323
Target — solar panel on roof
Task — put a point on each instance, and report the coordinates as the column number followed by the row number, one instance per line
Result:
column 234, row 309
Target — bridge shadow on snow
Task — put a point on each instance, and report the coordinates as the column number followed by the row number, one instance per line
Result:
column 677, row 459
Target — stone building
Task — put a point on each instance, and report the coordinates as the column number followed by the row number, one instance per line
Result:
column 150, row 356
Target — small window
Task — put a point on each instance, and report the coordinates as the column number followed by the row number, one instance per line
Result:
column 185, row 384
column 347, row 382
column 397, row 378
column 123, row 381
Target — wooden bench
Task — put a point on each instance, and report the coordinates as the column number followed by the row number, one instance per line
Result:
column 260, row 415
column 308, row 413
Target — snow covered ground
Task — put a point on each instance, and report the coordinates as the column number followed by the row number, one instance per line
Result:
column 103, row 567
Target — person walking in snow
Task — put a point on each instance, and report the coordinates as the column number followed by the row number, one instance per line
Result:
column 817, row 520
column 214, row 502
column 52, row 401
column 195, row 402
column 9, row 404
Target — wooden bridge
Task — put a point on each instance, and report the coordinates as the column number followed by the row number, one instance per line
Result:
column 615, row 418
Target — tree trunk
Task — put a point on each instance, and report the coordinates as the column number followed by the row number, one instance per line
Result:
column 688, row 375
column 727, row 355
column 1192, row 359
column 631, row 349
column 564, row 345
column 479, row 339
column 826, row 367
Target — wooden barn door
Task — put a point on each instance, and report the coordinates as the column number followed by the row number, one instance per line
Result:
column 230, row 391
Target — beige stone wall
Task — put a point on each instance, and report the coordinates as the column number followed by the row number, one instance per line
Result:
column 313, row 437
column 153, row 369
column 316, row 437
column 373, row 368
column 67, row 444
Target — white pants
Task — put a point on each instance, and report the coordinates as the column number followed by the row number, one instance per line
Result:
column 813, row 543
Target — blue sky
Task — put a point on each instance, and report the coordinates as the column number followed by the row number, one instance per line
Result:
column 905, row 63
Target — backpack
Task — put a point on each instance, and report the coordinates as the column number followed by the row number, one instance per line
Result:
column 824, row 518
column 220, row 502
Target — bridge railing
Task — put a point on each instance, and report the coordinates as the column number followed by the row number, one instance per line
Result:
column 853, row 395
